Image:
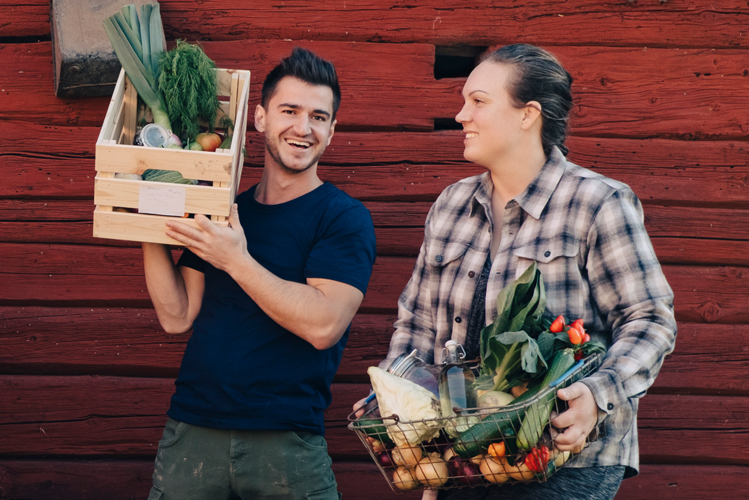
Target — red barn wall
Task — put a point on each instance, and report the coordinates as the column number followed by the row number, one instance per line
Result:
column 661, row 103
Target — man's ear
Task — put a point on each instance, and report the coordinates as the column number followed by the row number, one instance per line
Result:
column 259, row 118
column 332, row 131
column 531, row 115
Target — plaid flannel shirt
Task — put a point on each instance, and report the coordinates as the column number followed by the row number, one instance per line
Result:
column 587, row 235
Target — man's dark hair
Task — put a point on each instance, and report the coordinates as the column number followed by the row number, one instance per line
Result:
column 308, row 67
column 539, row 76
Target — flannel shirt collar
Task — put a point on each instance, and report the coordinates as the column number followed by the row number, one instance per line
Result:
column 535, row 197
column 538, row 193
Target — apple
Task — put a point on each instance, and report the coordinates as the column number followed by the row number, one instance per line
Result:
column 209, row 141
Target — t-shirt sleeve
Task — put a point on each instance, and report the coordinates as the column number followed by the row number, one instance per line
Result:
column 189, row 259
column 346, row 250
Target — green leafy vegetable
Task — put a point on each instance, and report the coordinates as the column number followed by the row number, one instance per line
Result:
column 515, row 346
column 188, row 81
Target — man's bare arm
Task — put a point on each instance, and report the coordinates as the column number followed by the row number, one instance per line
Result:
column 176, row 292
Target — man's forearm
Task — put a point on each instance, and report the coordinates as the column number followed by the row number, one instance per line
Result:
column 318, row 311
column 166, row 288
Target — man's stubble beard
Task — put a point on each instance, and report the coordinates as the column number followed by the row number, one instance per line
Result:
column 273, row 151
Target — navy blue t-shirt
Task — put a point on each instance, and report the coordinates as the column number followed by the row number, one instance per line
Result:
column 241, row 370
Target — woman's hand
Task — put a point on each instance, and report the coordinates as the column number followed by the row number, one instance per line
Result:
column 579, row 419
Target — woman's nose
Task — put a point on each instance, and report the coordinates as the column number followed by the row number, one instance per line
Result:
column 462, row 115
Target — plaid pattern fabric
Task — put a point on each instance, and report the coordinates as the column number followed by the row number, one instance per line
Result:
column 587, row 235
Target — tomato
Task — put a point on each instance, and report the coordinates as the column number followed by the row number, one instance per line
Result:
column 558, row 325
column 537, row 459
column 497, row 449
column 575, row 336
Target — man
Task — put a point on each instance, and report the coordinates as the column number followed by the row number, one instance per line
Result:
column 270, row 300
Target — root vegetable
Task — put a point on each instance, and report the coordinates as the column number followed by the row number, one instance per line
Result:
column 520, row 472
column 493, row 470
column 432, row 470
column 469, row 475
column 407, row 456
column 404, row 479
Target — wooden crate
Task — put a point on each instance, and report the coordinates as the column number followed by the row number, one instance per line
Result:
column 115, row 153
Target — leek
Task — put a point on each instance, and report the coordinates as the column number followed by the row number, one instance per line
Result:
column 127, row 30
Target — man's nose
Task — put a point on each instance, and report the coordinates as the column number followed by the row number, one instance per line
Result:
column 302, row 125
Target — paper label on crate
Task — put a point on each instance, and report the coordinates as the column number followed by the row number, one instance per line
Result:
column 162, row 200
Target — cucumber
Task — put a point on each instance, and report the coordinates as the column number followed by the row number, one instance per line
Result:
column 537, row 414
column 374, row 428
column 479, row 436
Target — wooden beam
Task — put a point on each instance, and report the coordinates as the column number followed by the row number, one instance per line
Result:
column 81, row 479
column 125, row 416
column 684, row 98
column 130, row 342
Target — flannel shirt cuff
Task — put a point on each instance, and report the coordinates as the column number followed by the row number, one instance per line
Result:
column 607, row 393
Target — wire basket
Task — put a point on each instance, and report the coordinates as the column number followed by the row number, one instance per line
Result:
column 477, row 446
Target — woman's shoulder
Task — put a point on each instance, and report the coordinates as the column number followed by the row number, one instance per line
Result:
column 463, row 191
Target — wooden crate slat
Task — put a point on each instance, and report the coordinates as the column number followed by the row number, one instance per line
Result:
column 198, row 199
column 125, row 416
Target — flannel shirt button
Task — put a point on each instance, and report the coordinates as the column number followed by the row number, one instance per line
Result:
column 471, row 274
column 610, row 406
column 438, row 258
column 458, row 319
column 547, row 253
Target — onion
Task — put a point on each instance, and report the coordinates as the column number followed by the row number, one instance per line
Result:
column 385, row 460
column 432, row 470
column 377, row 446
column 404, row 480
column 469, row 475
column 493, row 471
column 448, row 455
column 407, row 456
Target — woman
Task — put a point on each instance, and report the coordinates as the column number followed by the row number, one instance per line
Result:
column 585, row 232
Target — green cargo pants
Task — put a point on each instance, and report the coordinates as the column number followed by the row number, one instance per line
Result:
column 197, row 463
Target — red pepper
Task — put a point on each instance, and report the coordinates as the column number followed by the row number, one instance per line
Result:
column 579, row 355
column 538, row 459
column 558, row 325
column 586, row 338
column 575, row 336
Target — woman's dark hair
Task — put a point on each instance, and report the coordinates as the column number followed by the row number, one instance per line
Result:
column 306, row 66
column 539, row 77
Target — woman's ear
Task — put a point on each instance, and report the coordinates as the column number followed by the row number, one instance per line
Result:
column 531, row 115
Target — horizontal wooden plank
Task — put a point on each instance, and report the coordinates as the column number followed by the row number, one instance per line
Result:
column 54, row 162
column 81, row 479
column 670, row 24
column 60, row 275
column 680, row 235
column 408, row 102
column 397, row 87
column 130, row 342
column 125, row 416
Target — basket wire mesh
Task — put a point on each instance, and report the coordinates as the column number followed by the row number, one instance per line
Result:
column 498, row 445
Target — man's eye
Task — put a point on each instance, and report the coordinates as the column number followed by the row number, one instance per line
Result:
column 320, row 118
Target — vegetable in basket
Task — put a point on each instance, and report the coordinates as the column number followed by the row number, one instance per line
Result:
column 417, row 408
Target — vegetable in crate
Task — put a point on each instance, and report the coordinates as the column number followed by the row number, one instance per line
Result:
column 137, row 37
column 188, row 82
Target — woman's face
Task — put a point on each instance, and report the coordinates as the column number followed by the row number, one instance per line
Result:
column 492, row 125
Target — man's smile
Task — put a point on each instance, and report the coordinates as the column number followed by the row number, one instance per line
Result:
column 298, row 144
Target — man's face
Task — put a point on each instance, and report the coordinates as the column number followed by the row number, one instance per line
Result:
column 298, row 124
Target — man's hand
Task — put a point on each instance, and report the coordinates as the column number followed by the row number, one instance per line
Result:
column 219, row 246
column 579, row 419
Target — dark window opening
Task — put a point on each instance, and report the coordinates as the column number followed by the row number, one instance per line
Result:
column 456, row 62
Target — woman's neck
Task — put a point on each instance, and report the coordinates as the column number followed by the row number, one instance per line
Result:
column 514, row 172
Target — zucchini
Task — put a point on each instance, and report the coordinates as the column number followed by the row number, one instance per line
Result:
column 479, row 436
column 537, row 414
